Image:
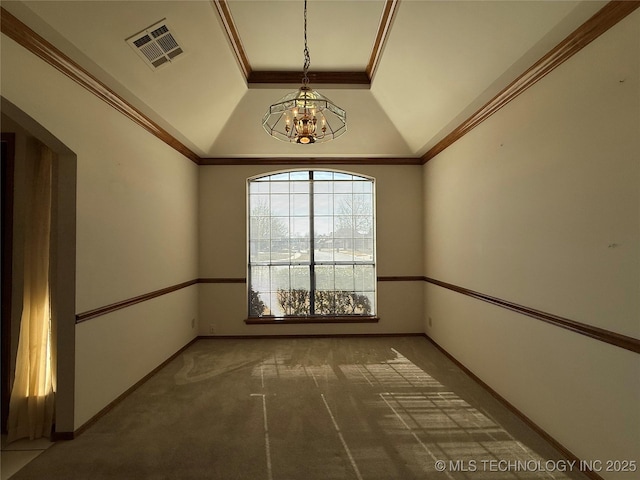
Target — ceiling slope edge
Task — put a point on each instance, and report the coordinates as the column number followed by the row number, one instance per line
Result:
column 388, row 14
column 608, row 16
column 233, row 36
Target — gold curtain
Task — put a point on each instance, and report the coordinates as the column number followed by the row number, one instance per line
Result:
column 31, row 407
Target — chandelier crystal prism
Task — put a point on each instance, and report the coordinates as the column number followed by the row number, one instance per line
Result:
column 305, row 116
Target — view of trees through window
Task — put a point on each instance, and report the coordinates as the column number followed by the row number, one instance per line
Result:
column 311, row 244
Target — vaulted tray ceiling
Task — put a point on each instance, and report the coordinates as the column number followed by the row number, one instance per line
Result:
column 408, row 72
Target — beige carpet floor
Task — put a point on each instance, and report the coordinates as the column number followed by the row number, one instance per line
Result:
column 382, row 408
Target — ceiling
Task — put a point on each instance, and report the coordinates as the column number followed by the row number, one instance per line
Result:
column 438, row 62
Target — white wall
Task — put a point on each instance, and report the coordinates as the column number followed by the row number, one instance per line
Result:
column 223, row 307
column 540, row 205
column 136, row 229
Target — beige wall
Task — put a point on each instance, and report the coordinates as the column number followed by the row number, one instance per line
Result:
column 540, row 205
column 115, row 351
column 136, row 229
column 223, row 251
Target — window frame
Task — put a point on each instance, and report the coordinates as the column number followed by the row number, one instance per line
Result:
column 312, row 262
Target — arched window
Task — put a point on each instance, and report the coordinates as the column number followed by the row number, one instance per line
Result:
column 311, row 245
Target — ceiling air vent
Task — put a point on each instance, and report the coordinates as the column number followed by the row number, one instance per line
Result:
column 156, row 45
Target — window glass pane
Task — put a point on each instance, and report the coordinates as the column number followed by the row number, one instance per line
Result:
column 344, row 277
column 362, row 204
column 325, row 302
column 301, row 175
column 300, row 205
column 364, row 278
column 300, row 278
column 325, row 277
column 343, row 226
column 279, row 226
column 279, row 176
column 323, row 249
column 318, row 175
column 259, row 204
column 325, row 255
column 342, row 176
column 259, row 251
column 343, row 251
column 280, row 278
column 363, row 249
column 295, row 299
column 323, row 187
column 257, row 305
column 275, row 307
column 258, row 187
column 342, row 187
column 279, row 187
column 280, row 250
column 280, row 205
column 323, row 244
column 343, row 204
column 363, row 303
column 259, row 227
column 260, row 278
column 258, row 291
column 362, row 225
column 299, row 250
column 362, row 187
column 323, row 226
column 323, row 204
column 293, row 302
column 300, row 187
column 300, row 227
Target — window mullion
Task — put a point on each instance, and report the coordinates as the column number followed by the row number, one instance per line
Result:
column 312, row 260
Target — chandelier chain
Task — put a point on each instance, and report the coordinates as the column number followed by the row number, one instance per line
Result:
column 307, row 58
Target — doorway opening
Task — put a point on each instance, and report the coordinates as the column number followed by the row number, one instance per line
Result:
column 19, row 133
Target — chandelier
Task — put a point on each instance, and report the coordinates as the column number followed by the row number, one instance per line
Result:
column 305, row 116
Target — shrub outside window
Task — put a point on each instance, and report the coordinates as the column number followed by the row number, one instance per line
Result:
column 311, row 244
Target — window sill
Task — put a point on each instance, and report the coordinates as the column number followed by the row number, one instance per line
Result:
column 311, row 319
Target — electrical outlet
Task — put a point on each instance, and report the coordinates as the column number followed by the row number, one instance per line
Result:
column 193, row 323
column 211, row 328
column 430, row 322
